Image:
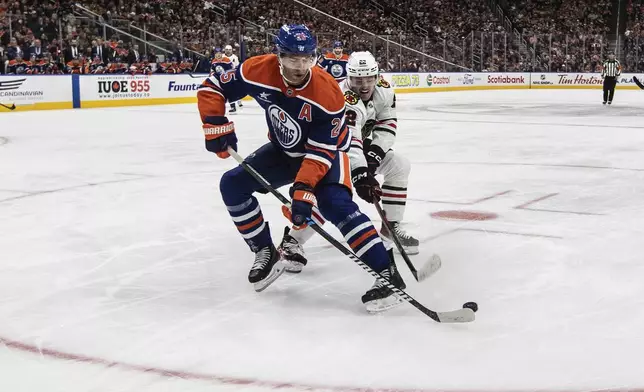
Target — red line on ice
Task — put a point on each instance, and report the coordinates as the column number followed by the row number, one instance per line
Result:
column 55, row 354
column 538, row 199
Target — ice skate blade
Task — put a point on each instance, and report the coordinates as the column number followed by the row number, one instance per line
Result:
column 411, row 250
column 276, row 272
column 292, row 267
column 384, row 304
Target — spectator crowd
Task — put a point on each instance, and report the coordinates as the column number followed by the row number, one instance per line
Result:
column 48, row 37
column 567, row 35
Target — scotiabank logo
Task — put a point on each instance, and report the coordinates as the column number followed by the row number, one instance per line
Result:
column 579, row 79
column 505, row 79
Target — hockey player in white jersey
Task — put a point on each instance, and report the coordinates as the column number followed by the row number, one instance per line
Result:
column 371, row 116
column 228, row 53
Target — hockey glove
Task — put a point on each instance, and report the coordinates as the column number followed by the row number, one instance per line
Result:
column 219, row 137
column 366, row 185
column 374, row 156
column 302, row 202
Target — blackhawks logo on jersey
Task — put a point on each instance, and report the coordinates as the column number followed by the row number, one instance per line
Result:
column 383, row 83
column 351, row 97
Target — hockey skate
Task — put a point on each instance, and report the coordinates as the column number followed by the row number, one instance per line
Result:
column 292, row 253
column 241, row 105
column 233, row 109
column 266, row 268
column 409, row 243
column 379, row 297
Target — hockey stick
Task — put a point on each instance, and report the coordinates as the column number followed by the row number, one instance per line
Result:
column 463, row 315
column 12, row 107
column 638, row 83
column 427, row 270
column 193, row 70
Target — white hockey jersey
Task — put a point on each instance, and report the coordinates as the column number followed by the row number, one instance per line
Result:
column 234, row 60
column 375, row 119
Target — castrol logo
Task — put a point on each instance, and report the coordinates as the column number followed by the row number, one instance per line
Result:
column 441, row 80
column 286, row 129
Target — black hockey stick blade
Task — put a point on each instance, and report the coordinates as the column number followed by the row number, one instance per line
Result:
column 428, row 269
column 463, row 315
column 638, row 83
column 191, row 73
column 12, row 107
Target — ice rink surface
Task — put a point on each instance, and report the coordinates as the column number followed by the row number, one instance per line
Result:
column 120, row 269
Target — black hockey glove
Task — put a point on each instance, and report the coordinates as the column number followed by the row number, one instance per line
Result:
column 374, row 156
column 302, row 202
column 366, row 185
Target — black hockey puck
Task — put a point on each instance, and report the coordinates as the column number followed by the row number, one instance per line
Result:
column 471, row 305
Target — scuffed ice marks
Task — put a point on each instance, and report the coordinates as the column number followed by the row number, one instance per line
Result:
column 505, row 109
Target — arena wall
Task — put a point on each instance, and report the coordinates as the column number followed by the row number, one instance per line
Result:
column 91, row 91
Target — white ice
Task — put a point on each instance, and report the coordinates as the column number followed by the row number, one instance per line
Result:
column 120, row 269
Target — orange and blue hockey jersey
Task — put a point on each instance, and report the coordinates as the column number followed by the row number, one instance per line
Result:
column 334, row 65
column 220, row 65
column 307, row 121
column 18, row 67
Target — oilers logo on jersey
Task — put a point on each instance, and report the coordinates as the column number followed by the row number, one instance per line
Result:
column 287, row 130
column 337, row 70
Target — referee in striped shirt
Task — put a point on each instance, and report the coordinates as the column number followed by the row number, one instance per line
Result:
column 611, row 69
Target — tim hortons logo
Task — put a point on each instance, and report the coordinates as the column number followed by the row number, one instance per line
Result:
column 580, row 79
column 287, row 131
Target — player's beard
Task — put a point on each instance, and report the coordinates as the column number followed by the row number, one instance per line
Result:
column 295, row 77
column 298, row 73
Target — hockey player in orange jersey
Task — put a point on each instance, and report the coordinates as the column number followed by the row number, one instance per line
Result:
column 308, row 140
column 335, row 62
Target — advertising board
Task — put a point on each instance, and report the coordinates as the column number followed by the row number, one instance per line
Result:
column 22, row 92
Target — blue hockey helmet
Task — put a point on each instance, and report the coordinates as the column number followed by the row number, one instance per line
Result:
column 337, row 44
column 295, row 39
